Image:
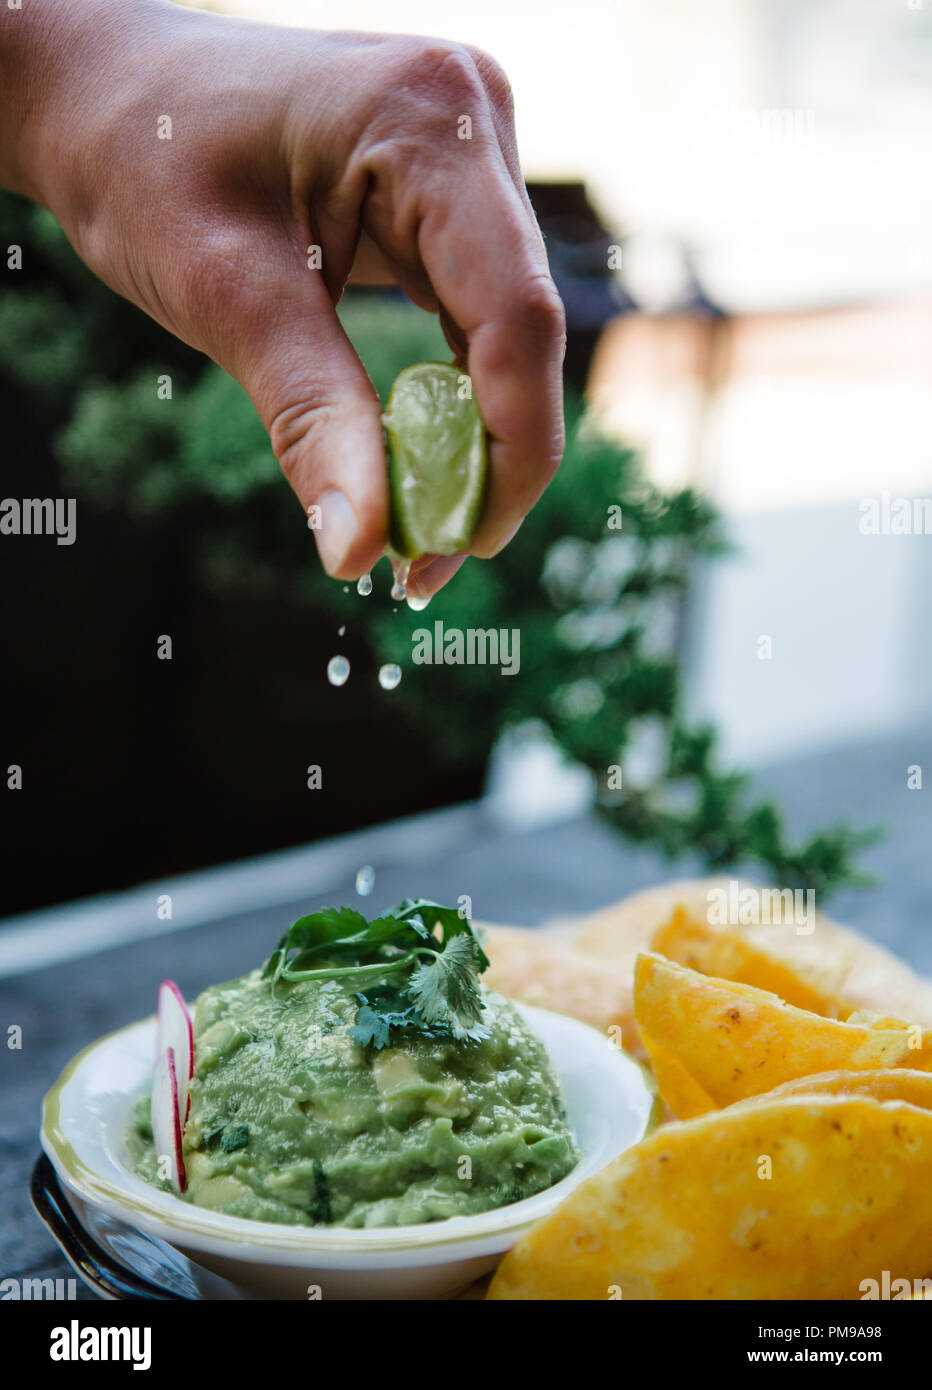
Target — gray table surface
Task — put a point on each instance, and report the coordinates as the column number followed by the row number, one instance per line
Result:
column 526, row 878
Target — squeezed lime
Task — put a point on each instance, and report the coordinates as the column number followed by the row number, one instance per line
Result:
column 437, row 460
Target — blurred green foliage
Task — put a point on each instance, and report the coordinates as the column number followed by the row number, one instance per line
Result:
column 596, row 608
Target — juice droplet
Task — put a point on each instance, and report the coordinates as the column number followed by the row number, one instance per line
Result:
column 341, row 630
column 365, row 880
column 390, row 677
column 417, row 605
column 338, row 669
column 400, row 571
column 346, row 588
column 364, row 585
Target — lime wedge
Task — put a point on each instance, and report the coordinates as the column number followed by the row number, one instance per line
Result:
column 436, row 460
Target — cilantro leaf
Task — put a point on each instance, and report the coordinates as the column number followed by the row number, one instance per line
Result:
column 313, row 931
column 234, row 1139
column 370, row 1029
column 338, row 929
column 373, row 1026
column 429, row 915
column 446, row 990
column 424, row 961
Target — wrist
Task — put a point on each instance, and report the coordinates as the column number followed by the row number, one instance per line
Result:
column 66, row 67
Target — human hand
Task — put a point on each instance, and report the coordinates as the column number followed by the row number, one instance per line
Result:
column 282, row 141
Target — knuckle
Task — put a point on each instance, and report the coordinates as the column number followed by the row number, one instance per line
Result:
column 295, row 431
column 547, row 459
column 494, row 79
column 445, row 68
column 427, row 86
column 549, row 442
column 553, row 454
column 539, row 309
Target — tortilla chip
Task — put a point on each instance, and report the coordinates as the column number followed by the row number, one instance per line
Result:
column 872, row 1020
column 691, row 1212
column 622, row 931
column 680, row 1093
column 731, row 955
column 735, row 1041
column 525, row 965
column 888, row 1083
column 841, row 968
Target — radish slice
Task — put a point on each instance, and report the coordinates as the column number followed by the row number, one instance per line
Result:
column 166, row 1119
column 176, row 1031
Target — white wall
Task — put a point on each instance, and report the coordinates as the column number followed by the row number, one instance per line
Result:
column 850, row 620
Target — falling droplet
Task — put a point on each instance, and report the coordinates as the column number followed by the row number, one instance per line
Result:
column 341, row 630
column 364, row 585
column 365, row 880
column 338, row 669
column 390, row 677
column 346, row 588
column 400, row 570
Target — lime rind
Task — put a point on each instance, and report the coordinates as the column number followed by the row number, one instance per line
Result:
column 437, row 460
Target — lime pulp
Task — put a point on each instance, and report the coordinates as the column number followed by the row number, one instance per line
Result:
column 437, row 460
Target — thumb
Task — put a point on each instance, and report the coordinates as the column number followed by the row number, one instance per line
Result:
column 324, row 420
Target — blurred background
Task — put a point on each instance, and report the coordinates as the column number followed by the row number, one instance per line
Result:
column 738, row 210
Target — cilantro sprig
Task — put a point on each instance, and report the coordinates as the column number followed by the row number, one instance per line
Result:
column 424, row 962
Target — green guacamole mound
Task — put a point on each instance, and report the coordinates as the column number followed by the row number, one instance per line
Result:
column 291, row 1120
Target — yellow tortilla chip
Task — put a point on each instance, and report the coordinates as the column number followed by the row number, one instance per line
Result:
column 799, row 1198
column 614, row 938
column 725, row 953
column 525, row 965
column 625, row 929
column 840, row 967
column 735, row 1041
column 888, row 1083
column 681, row 1093
column 872, row 1020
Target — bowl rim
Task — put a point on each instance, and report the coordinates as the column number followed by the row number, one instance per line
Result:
column 185, row 1225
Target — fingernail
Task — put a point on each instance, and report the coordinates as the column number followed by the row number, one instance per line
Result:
column 337, row 530
column 433, row 576
column 506, row 540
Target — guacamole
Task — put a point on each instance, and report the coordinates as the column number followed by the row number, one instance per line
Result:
column 294, row 1120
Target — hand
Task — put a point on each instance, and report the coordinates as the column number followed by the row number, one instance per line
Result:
column 283, row 140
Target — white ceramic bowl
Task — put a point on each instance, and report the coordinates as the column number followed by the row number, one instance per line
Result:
column 84, row 1121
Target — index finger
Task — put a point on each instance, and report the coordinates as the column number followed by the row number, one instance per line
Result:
column 485, row 256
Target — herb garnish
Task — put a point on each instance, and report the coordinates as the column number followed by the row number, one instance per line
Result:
column 421, row 981
column 234, row 1139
